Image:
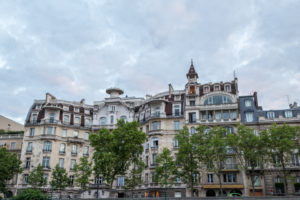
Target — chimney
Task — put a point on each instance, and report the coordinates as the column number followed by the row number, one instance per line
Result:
column 255, row 99
column 294, row 105
column 49, row 97
column 82, row 101
column 148, row 96
column 171, row 89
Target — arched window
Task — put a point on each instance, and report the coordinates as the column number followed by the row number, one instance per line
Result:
column 192, row 130
column 102, row 120
column 154, row 142
column 124, row 118
column 220, row 99
column 47, row 146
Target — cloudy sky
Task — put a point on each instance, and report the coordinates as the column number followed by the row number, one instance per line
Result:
column 77, row 49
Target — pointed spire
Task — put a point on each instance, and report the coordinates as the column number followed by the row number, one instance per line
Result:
column 192, row 72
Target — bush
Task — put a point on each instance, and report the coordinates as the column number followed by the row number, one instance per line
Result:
column 31, row 194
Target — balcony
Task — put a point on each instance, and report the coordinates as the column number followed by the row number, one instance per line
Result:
column 48, row 137
column 74, row 153
column 62, row 152
column 75, row 140
column 52, row 107
column 29, row 151
column 50, row 121
column 229, row 167
column 85, row 154
column 224, row 186
column 47, row 150
column 153, row 165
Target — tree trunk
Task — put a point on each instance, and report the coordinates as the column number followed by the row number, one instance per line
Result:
column 110, row 188
column 252, row 184
column 284, row 174
column 192, row 185
column 98, row 186
column 220, row 181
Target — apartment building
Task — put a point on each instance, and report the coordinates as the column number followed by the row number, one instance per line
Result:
column 57, row 131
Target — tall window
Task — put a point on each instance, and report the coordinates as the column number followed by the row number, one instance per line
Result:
column 232, row 115
column 249, row 116
column 64, row 133
column 192, row 117
column 29, row 147
column 71, row 180
column 102, row 121
column 86, row 150
column 218, row 116
column 46, row 162
column 154, row 155
column 74, row 149
column 77, row 120
column 227, row 88
column 66, row 118
column 210, row 178
column 155, row 142
column 61, row 163
column 192, row 89
column 73, row 162
column 206, row 89
column 156, row 125
column 147, row 146
column 51, row 120
column 27, row 165
column 176, row 125
column 225, row 115
column 124, row 118
column 31, row 132
column 146, row 178
column 248, row 103
column 49, row 130
column 87, row 122
column 86, row 136
column 175, row 142
column 47, row 146
column 229, row 178
column 34, row 118
column 288, row 114
column 25, row 179
column 176, row 110
column 295, row 159
column 270, row 115
column 12, row 145
column 75, row 134
column 120, row 181
column 111, row 119
column 192, row 103
column 157, row 111
column 62, row 148
column 192, row 130
column 98, row 180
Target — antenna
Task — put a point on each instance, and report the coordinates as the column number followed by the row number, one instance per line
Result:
column 288, row 99
column 234, row 74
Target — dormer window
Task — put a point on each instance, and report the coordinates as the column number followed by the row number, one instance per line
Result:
column 217, row 88
column 206, row 89
column 177, row 98
column 76, row 109
column 227, row 88
column 112, row 108
column 192, row 89
column 87, row 111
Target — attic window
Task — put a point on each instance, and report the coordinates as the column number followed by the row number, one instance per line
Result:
column 192, row 89
column 217, row 88
column 206, row 89
column 227, row 88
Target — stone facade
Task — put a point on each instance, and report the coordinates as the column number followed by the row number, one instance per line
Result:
column 56, row 132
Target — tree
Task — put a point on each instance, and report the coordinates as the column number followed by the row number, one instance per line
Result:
column 187, row 157
column 116, row 150
column 82, row 172
column 36, row 177
column 281, row 144
column 134, row 176
column 30, row 194
column 250, row 151
column 213, row 150
column 60, row 179
column 166, row 169
column 10, row 165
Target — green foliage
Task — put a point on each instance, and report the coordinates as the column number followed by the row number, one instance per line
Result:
column 36, row 177
column 281, row 144
column 31, row 194
column 82, row 172
column 213, row 149
column 10, row 165
column 166, row 169
column 134, row 177
column 249, row 149
column 4, row 132
column 60, row 179
column 187, row 157
column 116, row 150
